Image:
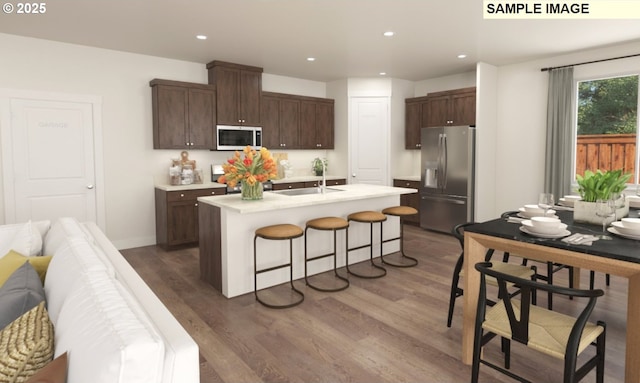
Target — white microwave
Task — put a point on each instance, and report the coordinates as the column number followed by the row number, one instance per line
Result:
column 238, row 137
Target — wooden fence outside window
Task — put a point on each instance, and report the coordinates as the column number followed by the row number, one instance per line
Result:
column 606, row 152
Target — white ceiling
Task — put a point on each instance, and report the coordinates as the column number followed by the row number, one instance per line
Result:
column 344, row 35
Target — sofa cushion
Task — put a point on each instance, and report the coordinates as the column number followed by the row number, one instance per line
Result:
column 13, row 260
column 76, row 256
column 19, row 294
column 63, row 228
column 26, row 345
column 54, row 372
column 108, row 337
column 24, row 238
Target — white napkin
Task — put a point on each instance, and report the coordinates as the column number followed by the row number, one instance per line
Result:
column 580, row 239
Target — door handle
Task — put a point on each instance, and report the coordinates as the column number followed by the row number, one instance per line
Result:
column 90, row 186
column 353, row 175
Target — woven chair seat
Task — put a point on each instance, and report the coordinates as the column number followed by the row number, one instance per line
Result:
column 282, row 231
column 367, row 216
column 328, row 223
column 548, row 330
column 400, row 211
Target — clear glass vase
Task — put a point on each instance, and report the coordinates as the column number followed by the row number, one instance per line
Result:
column 251, row 192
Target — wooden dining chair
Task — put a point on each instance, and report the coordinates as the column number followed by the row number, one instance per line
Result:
column 456, row 291
column 549, row 332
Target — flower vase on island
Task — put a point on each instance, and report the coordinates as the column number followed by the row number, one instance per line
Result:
column 256, row 167
column 249, row 191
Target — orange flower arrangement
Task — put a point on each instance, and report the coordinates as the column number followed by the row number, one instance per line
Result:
column 256, row 166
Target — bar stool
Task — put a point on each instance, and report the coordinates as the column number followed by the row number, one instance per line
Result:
column 277, row 232
column 369, row 217
column 333, row 224
column 401, row 212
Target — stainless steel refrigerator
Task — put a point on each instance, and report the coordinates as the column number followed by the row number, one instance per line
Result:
column 447, row 177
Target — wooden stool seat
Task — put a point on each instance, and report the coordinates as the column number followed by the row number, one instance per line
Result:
column 367, row 217
column 326, row 224
column 282, row 231
column 370, row 217
column 277, row 232
column 401, row 212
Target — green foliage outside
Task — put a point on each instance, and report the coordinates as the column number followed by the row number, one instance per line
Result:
column 608, row 106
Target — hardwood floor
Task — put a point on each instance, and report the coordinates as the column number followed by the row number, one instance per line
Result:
column 391, row 329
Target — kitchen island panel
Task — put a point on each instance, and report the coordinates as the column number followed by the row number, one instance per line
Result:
column 227, row 254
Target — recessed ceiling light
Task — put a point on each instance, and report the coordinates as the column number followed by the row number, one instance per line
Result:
column 311, row 59
column 201, row 37
column 388, row 33
column 462, row 56
column 383, row 73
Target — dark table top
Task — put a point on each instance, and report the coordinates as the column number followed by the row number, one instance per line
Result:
column 617, row 248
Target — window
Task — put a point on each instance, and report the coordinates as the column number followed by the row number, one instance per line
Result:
column 606, row 125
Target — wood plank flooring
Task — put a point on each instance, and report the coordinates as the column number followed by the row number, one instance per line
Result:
column 391, row 329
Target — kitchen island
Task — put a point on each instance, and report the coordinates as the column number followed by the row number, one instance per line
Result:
column 227, row 225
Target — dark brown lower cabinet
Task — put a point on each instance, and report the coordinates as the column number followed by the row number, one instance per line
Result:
column 177, row 215
column 412, row 200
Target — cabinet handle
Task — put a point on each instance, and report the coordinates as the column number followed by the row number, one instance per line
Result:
column 213, row 192
column 181, row 195
column 318, row 145
column 418, row 145
column 196, row 204
column 289, row 186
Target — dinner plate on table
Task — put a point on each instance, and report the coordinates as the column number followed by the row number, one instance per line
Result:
column 614, row 230
column 560, row 234
column 620, row 228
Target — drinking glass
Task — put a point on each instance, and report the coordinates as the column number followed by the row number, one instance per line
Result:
column 545, row 202
column 605, row 208
column 619, row 200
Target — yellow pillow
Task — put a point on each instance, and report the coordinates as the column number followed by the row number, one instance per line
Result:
column 13, row 260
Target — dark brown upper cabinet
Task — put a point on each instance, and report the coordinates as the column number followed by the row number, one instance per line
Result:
column 454, row 107
column 239, row 89
column 184, row 115
column 297, row 122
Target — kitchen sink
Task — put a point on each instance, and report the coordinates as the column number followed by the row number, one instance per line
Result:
column 306, row 191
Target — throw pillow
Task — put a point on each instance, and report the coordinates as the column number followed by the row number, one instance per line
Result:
column 54, row 372
column 19, row 294
column 27, row 240
column 26, row 345
column 13, row 260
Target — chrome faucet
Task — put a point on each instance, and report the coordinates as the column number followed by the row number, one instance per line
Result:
column 324, row 176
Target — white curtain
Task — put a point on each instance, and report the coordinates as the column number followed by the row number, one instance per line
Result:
column 557, row 178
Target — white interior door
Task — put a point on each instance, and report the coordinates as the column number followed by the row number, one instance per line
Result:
column 49, row 159
column 369, row 144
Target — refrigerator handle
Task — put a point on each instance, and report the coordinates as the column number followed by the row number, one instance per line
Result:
column 445, row 157
column 439, row 167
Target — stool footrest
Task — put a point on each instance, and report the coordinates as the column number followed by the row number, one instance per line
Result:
column 273, row 268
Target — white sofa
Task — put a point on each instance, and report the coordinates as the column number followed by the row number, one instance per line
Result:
column 113, row 327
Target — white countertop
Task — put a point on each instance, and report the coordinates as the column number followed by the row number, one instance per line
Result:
column 275, row 201
column 206, row 185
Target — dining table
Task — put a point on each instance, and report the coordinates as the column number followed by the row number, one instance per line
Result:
column 618, row 256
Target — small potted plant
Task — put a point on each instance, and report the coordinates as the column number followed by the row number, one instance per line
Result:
column 317, row 165
column 593, row 186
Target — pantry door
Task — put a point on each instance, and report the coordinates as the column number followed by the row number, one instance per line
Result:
column 49, row 144
column 369, row 142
